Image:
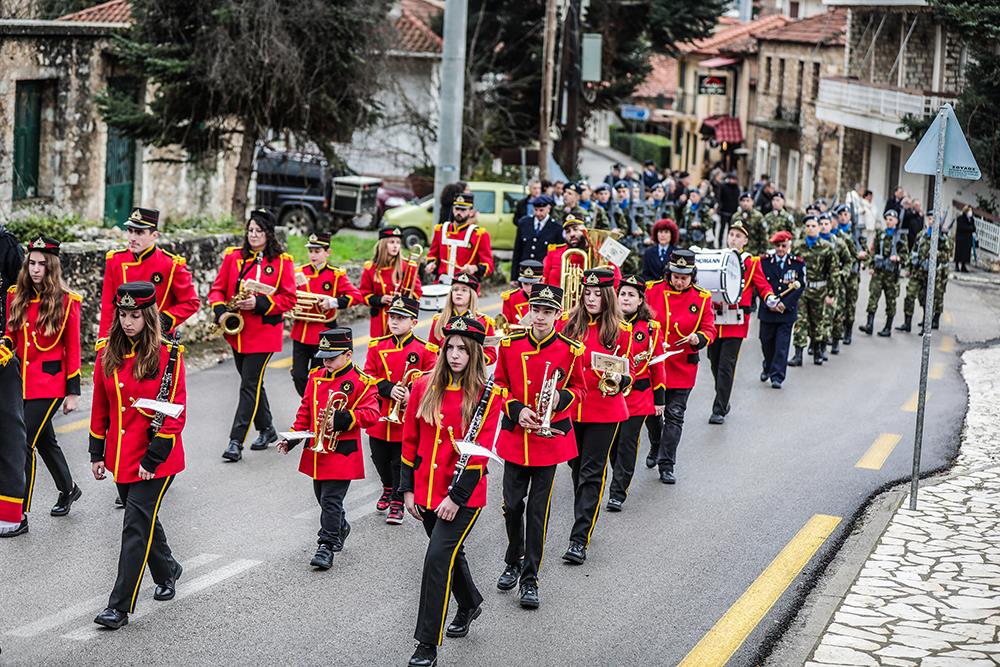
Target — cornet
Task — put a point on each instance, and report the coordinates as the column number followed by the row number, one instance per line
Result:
column 326, row 438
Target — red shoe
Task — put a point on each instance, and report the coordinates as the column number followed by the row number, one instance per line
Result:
column 383, row 502
column 395, row 516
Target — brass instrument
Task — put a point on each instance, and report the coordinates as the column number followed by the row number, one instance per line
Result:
column 307, row 308
column 545, row 404
column 231, row 322
column 411, row 267
column 506, row 328
column 571, row 276
column 326, row 438
column 610, row 383
column 409, row 375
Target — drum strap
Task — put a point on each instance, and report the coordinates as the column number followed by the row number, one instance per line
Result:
column 453, row 246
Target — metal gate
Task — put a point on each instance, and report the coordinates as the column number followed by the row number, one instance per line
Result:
column 119, row 176
column 27, row 135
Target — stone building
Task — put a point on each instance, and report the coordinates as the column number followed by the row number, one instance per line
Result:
column 799, row 152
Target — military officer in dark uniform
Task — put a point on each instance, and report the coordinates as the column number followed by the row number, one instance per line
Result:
column 534, row 234
column 782, row 270
column 13, row 446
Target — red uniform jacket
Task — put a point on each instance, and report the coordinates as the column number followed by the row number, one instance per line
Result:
column 263, row 326
column 376, row 283
column 361, row 411
column 520, row 369
column 431, row 454
column 753, row 278
column 552, row 265
column 487, row 321
column 50, row 365
column 389, row 358
column 598, row 408
column 515, row 305
column 331, row 281
column 175, row 294
column 680, row 314
column 648, row 381
column 119, row 433
column 478, row 250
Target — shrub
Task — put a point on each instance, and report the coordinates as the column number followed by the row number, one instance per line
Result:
column 31, row 225
column 642, row 146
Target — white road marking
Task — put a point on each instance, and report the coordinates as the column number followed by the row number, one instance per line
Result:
column 94, row 604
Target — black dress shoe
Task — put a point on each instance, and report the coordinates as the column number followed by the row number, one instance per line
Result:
column 426, row 655
column 667, row 477
column 20, row 530
column 529, row 596
column 615, row 505
column 650, row 462
column 764, row 376
column 234, row 452
column 775, row 384
column 459, row 627
column 323, row 558
column 264, row 438
column 65, row 501
column 508, row 578
column 716, row 419
column 168, row 588
column 576, row 554
column 112, row 618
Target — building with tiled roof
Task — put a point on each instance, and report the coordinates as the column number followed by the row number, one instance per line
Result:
column 113, row 12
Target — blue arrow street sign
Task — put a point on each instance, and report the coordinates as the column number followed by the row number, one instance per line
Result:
column 958, row 159
column 633, row 112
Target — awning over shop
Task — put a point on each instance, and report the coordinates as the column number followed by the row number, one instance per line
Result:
column 724, row 129
column 719, row 61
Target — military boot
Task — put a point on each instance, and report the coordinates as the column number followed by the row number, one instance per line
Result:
column 835, row 346
column 887, row 330
column 818, row 354
column 869, row 326
column 848, row 328
column 796, row 360
column 907, row 324
column 936, row 322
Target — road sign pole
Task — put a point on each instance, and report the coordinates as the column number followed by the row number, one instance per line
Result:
column 925, row 352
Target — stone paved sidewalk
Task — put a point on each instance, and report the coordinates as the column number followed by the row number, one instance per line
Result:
column 929, row 593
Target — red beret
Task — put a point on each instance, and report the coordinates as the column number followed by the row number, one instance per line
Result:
column 781, row 236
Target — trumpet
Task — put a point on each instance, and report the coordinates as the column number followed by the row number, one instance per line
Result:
column 326, row 437
column 409, row 375
column 545, row 404
column 506, row 328
column 307, row 308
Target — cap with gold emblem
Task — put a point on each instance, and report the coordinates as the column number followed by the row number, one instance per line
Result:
column 319, row 240
column 572, row 220
column 530, row 272
column 135, row 295
column 635, row 282
column 44, row 244
column 681, row 261
column 469, row 281
column 465, row 326
column 463, row 200
column 143, row 218
column 390, row 233
column 599, row 277
column 404, row 306
column 740, row 227
column 546, row 295
column 334, row 342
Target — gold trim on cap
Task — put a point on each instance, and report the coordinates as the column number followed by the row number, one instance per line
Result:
column 459, row 325
column 325, row 344
column 547, row 294
column 126, row 301
column 38, row 243
column 592, row 279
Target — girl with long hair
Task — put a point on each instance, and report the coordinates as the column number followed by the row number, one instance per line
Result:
column 462, row 301
column 382, row 275
column 140, row 447
column 261, row 308
column 596, row 322
column 43, row 325
column 437, row 491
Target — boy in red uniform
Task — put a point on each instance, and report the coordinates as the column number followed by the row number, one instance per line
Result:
column 395, row 361
column 340, row 459
column 515, row 301
column 460, row 247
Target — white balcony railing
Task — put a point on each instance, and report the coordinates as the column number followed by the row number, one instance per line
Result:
column 872, row 107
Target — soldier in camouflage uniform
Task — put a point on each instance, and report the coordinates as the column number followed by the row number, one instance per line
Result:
column 571, row 204
column 916, row 286
column 821, row 283
column 852, row 278
column 627, row 218
column 753, row 221
column 599, row 217
column 843, row 258
column 888, row 249
column 779, row 218
column 695, row 220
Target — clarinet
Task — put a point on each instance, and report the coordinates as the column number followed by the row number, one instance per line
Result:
column 475, row 425
column 166, row 382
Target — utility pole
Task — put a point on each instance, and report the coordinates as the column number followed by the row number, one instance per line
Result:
column 452, row 95
column 569, row 142
column 548, row 72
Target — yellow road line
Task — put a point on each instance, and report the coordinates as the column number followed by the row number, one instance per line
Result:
column 362, row 342
column 728, row 634
column 947, row 318
column 76, row 425
column 911, row 402
column 947, row 344
column 879, row 451
column 936, row 372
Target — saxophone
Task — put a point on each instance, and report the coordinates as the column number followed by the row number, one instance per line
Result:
column 326, row 438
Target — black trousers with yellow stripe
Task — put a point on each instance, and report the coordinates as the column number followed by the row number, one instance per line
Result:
column 590, row 469
column 42, row 442
column 143, row 541
column 446, row 573
column 623, row 456
column 526, row 522
column 13, row 448
column 253, row 406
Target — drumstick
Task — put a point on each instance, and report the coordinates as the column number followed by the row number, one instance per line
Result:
column 792, row 286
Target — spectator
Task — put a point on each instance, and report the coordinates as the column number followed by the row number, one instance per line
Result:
column 965, row 229
column 557, row 192
column 762, row 202
column 729, row 202
column 913, row 221
column 614, row 176
column 656, row 256
column 524, row 206
column 759, row 185
column 859, row 201
column 895, row 202
column 650, row 176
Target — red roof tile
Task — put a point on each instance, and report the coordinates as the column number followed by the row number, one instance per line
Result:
column 662, row 79
column 115, row 11
column 730, row 35
column 829, row 29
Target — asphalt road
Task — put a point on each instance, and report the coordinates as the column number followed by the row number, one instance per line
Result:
column 658, row 576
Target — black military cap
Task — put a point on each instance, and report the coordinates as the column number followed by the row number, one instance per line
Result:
column 575, row 187
column 777, row 193
column 546, row 295
column 390, row 233
column 44, row 244
column 810, row 217
column 334, row 342
column 681, row 261
column 840, row 208
column 623, row 184
column 468, row 327
column 319, row 240
column 143, row 218
column 599, row 277
column 404, row 306
column 635, row 282
column 471, row 282
column 746, row 195
column 603, row 187
column 891, row 213
column 530, row 271
column 135, row 295
column 463, row 200
column 542, row 200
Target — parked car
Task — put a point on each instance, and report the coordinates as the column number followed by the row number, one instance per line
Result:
column 390, row 197
column 495, row 203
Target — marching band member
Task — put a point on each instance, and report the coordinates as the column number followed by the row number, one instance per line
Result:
column 318, row 277
column 261, row 260
column 43, row 324
column 462, row 300
column 384, row 277
column 645, row 396
column 395, row 361
column 13, row 449
column 684, row 312
column 460, row 246
column 528, row 362
column 575, row 233
column 338, row 403
column 596, row 322
column 724, row 351
column 141, row 449
column 444, row 490
column 176, row 298
column 515, row 301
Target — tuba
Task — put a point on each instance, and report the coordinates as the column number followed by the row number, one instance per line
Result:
column 326, row 438
column 545, row 404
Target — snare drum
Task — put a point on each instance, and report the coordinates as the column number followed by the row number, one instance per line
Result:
column 720, row 272
column 433, row 297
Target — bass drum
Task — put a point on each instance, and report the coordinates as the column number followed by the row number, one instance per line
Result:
column 720, row 272
column 433, row 297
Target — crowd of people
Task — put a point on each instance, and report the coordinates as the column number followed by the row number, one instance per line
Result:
column 589, row 353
